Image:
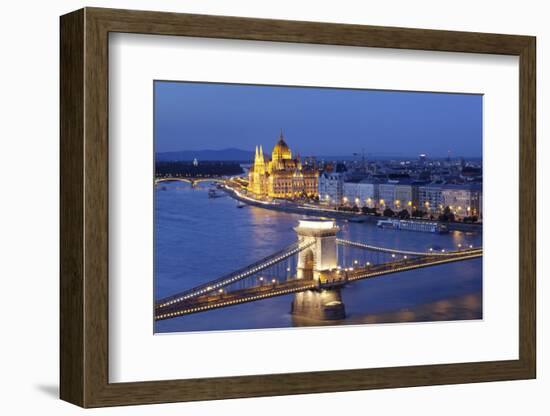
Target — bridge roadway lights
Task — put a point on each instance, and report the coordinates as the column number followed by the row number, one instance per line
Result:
column 318, row 260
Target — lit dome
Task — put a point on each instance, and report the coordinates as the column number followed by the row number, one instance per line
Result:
column 281, row 150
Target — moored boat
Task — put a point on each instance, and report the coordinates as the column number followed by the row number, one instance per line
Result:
column 410, row 225
column 212, row 193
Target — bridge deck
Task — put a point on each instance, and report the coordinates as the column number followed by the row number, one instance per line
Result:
column 215, row 301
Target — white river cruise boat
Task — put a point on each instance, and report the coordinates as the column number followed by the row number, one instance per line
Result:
column 410, row 225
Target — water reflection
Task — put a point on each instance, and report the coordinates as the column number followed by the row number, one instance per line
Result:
column 466, row 307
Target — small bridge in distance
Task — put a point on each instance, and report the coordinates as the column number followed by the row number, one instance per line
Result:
column 192, row 180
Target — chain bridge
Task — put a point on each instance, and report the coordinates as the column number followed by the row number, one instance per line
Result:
column 315, row 268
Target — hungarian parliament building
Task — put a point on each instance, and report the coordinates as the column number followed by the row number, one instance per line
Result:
column 282, row 176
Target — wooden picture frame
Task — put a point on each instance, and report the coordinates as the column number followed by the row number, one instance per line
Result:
column 84, row 207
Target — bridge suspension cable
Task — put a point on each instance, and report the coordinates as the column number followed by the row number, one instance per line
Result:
column 236, row 275
column 405, row 252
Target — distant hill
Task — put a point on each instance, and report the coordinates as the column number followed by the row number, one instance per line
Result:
column 239, row 155
column 222, row 155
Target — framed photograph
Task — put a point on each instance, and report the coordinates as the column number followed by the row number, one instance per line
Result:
column 254, row 207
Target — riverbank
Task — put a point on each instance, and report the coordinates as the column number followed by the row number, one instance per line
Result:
column 337, row 215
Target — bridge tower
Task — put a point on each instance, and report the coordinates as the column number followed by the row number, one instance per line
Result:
column 322, row 256
column 318, row 262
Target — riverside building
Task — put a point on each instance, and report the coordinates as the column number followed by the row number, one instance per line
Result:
column 282, row 176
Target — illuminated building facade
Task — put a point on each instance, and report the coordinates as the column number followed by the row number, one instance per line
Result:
column 430, row 199
column 331, row 188
column 463, row 200
column 361, row 193
column 283, row 176
column 396, row 196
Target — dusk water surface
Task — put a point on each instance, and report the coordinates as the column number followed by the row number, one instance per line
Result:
column 199, row 239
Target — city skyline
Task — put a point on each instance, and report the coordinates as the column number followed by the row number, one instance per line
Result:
column 317, row 121
column 293, row 240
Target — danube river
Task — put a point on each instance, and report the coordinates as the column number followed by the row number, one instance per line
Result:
column 199, row 239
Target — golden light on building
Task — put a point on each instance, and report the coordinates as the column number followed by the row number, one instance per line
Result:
column 282, row 176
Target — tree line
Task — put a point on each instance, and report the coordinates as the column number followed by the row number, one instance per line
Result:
column 202, row 169
column 446, row 216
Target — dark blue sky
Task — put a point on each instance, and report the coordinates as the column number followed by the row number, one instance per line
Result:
column 316, row 121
